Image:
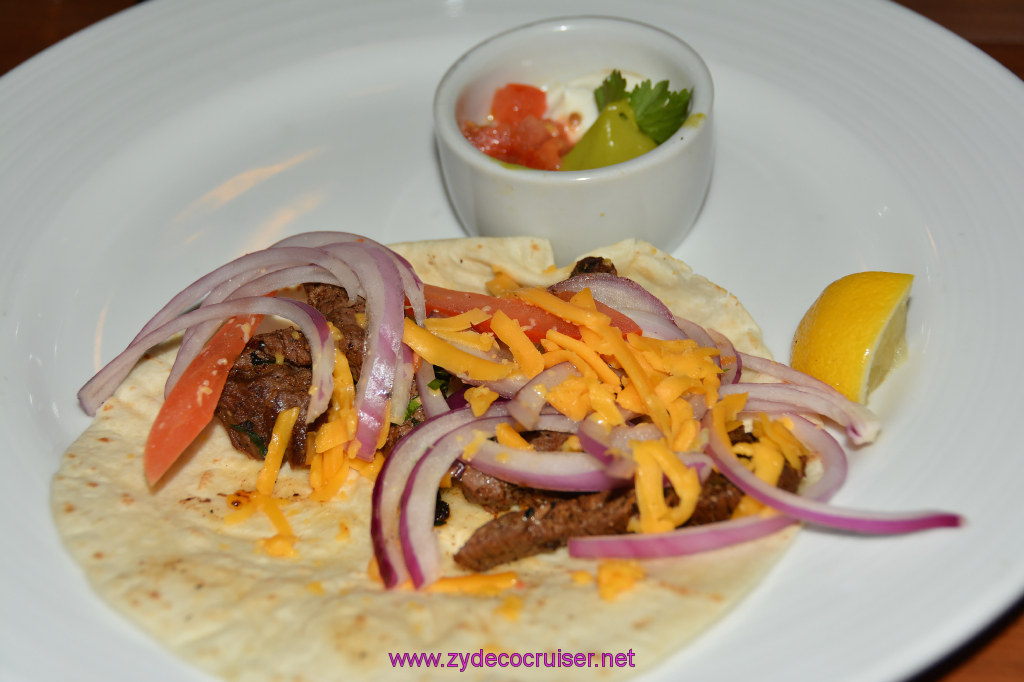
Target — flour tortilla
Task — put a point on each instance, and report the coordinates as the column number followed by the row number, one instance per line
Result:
column 166, row 559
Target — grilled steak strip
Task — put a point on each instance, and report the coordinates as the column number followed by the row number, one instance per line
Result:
column 273, row 373
column 343, row 313
column 545, row 520
column 546, row 527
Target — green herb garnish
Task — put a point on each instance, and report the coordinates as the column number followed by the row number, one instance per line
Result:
column 249, row 429
column 441, row 381
column 660, row 112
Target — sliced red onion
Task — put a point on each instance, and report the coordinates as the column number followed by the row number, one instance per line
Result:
column 531, row 398
column 567, row 471
column 594, row 439
column 811, row 511
column 102, row 385
column 238, row 271
column 390, row 485
column 864, row 425
column 656, row 326
column 616, row 292
column 647, row 310
column 411, row 282
column 420, row 549
column 621, row 436
column 728, row 359
column 679, row 542
column 829, row 452
column 196, row 336
column 401, row 392
column 706, row 537
column 385, row 312
column 433, row 400
column 695, row 331
column 860, row 424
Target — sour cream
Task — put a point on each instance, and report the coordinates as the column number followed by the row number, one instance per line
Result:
column 573, row 102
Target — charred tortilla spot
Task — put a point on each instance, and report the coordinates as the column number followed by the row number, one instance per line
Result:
column 441, row 511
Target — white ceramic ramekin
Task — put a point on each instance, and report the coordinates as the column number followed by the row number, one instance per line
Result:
column 656, row 196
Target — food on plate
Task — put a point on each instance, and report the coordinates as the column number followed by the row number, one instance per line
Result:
column 554, row 127
column 855, row 332
column 452, row 446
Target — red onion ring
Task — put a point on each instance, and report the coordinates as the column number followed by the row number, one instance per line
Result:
column 528, row 402
column 565, row 471
column 411, row 282
column 103, row 384
column 420, row 549
column 860, row 424
column 238, row 271
column 814, row 512
column 707, row 537
column 432, row 399
column 197, row 336
column 864, row 425
column 385, row 312
column 401, row 391
column 731, row 370
column 620, row 293
column 389, row 488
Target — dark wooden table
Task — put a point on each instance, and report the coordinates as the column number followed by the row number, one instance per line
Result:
column 995, row 26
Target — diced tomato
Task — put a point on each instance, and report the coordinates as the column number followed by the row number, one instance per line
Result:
column 534, row 142
column 189, row 406
column 493, row 140
column 518, row 132
column 540, row 143
column 535, row 321
column 514, row 102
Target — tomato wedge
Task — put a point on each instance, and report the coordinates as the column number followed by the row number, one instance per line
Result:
column 189, row 406
column 535, row 321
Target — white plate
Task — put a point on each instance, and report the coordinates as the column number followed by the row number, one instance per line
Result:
column 851, row 135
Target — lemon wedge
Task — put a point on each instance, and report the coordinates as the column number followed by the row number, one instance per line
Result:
column 855, row 332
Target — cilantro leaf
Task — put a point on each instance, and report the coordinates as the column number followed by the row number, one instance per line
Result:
column 660, row 112
column 442, row 381
column 613, row 88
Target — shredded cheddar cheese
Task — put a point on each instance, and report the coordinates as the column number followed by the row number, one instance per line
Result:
column 479, row 399
column 467, row 339
column 501, row 285
column 443, row 354
column 582, row 577
column 510, row 438
column 510, row 608
column 366, row 469
column 279, row 439
column 471, row 448
column 616, row 577
column 526, row 355
column 456, row 323
column 483, row 584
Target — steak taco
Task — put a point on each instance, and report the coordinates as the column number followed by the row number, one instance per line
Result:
column 453, row 448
